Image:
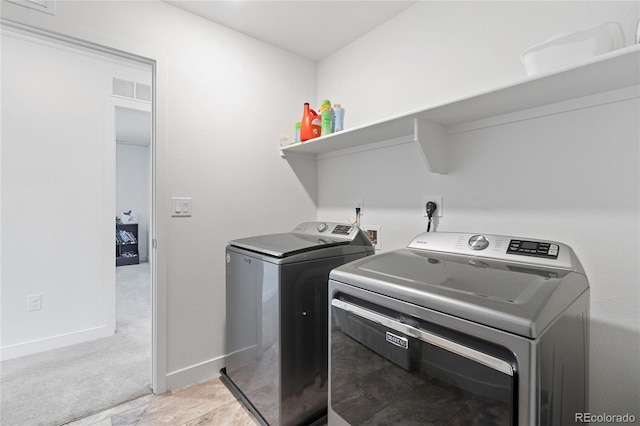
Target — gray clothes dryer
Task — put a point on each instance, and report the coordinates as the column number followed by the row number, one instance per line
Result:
column 277, row 318
column 460, row 329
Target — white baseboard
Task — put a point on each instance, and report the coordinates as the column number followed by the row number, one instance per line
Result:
column 54, row 342
column 196, row 373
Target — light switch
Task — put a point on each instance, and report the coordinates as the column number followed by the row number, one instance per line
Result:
column 181, row 206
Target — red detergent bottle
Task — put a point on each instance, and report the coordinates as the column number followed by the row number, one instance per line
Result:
column 311, row 125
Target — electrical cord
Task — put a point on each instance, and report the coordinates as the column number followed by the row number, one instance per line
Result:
column 431, row 208
column 357, row 221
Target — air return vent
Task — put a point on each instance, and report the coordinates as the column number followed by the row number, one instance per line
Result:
column 143, row 92
column 123, row 88
column 132, row 90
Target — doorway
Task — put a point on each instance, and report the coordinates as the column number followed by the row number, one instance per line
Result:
column 133, row 177
column 58, row 246
column 133, row 139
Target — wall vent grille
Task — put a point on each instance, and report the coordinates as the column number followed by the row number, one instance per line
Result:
column 143, row 92
column 131, row 90
column 123, row 88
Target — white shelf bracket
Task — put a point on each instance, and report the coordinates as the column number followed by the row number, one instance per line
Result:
column 432, row 141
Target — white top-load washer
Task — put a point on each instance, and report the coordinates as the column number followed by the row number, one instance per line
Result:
column 460, row 328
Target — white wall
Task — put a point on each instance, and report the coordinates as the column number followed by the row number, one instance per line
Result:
column 133, row 189
column 581, row 182
column 222, row 100
column 57, row 189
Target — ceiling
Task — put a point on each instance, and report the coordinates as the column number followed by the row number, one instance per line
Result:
column 313, row 29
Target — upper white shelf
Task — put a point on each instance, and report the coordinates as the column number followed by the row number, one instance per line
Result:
column 429, row 126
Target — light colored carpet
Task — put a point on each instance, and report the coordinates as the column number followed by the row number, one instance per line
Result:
column 61, row 385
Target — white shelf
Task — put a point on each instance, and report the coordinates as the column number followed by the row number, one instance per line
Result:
column 566, row 89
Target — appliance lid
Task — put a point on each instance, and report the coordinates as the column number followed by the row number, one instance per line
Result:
column 518, row 298
column 284, row 245
column 307, row 236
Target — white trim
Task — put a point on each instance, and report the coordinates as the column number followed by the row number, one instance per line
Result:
column 160, row 220
column 196, row 373
column 54, row 342
column 46, row 6
column 108, row 212
column 66, row 44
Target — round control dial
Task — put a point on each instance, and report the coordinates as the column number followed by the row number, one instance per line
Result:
column 322, row 227
column 478, row 242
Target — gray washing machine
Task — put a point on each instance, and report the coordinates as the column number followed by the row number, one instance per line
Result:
column 460, row 329
column 277, row 318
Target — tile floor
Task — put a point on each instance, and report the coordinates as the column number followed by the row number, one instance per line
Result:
column 208, row 403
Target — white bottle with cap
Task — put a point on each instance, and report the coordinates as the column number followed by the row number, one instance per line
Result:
column 338, row 112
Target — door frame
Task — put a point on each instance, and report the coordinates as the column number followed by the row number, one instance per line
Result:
column 159, row 161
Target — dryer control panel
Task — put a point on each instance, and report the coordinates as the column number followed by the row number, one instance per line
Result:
column 512, row 249
column 533, row 248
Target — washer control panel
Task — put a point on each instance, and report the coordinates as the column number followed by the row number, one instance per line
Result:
column 533, row 248
column 328, row 230
column 342, row 229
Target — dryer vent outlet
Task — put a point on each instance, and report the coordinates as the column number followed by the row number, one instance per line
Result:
column 373, row 232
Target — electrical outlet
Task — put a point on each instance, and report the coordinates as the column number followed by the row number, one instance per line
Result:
column 374, row 234
column 436, row 199
column 34, row 302
column 354, row 217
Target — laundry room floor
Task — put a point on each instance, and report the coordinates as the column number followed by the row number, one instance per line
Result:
column 208, row 403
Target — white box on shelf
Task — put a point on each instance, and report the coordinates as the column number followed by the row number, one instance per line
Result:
column 572, row 48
